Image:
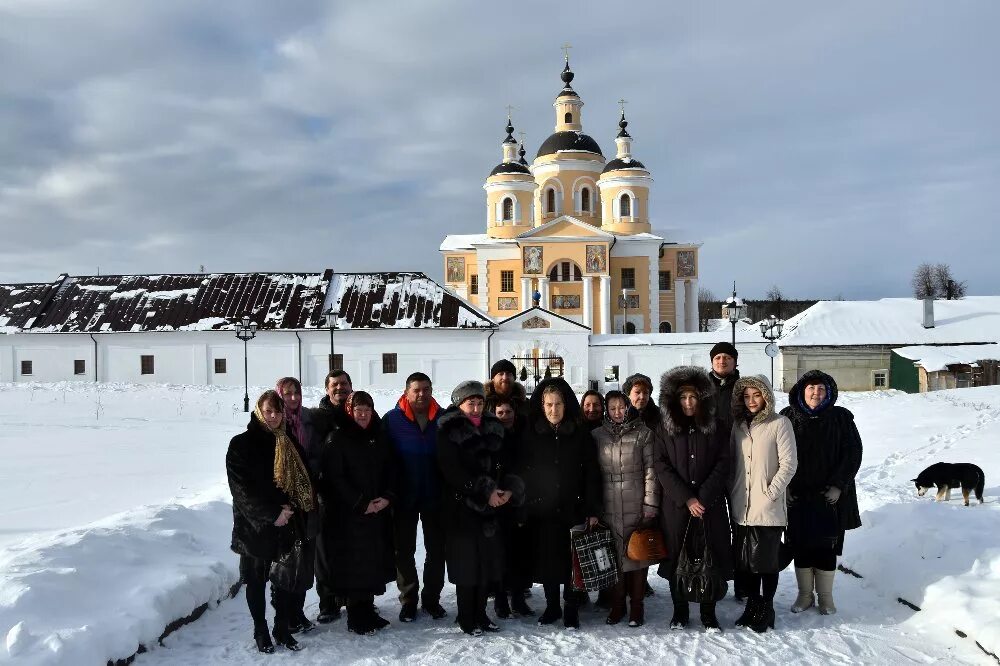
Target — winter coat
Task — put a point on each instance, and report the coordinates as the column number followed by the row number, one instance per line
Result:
column 693, row 461
column 724, row 396
column 764, row 459
column 416, row 451
column 473, row 465
column 625, row 454
column 357, row 466
column 829, row 449
column 257, row 501
column 562, row 482
column 318, row 423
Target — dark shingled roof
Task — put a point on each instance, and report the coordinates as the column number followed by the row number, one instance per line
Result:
column 622, row 164
column 193, row 301
column 568, row 141
column 399, row 300
column 21, row 303
column 510, row 167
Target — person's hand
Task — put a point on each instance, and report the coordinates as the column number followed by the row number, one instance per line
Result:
column 285, row 515
column 591, row 521
column 832, row 494
column 789, row 498
column 498, row 498
column 696, row 508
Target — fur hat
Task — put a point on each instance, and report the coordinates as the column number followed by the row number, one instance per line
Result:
column 503, row 365
column 637, row 378
column 467, row 389
column 723, row 348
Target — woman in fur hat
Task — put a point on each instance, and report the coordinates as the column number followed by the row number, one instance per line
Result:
column 764, row 462
column 693, row 466
column 478, row 487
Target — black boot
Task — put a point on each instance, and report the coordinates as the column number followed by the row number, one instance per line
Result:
column 553, row 609
column 682, row 614
column 746, row 618
column 262, row 637
column 283, row 603
column 501, row 606
column 708, row 618
column 571, row 616
column 763, row 617
column 359, row 618
column 519, row 606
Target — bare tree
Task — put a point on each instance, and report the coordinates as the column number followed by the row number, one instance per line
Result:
column 708, row 307
column 774, row 294
column 706, row 295
column 947, row 286
column 923, row 282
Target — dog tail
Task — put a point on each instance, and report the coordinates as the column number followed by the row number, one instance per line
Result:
column 980, row 485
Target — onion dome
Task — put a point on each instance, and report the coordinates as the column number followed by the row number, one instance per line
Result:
column 510, row 164
column 567, row 78
column 568, row 141
column 624, row 159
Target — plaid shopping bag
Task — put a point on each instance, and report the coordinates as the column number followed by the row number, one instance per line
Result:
column 595, row 560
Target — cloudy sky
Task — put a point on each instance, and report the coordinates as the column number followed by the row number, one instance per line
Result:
column 827, row 148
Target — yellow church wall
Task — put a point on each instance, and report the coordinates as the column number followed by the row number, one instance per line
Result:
column 567, row 201
column 641, row 289
column 629, row 225
column 565, row 289
column 554, row 253
column 493, row 269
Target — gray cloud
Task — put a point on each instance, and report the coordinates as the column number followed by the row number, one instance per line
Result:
column 825, row 149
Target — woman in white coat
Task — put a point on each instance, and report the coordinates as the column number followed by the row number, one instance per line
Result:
column 763, row 461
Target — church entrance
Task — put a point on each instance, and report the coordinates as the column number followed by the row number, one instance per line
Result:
column 533, row 369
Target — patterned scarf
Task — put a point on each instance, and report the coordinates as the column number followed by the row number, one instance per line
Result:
column 289, row 472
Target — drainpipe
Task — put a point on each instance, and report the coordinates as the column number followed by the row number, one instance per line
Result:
column 300, row 355
column 488, row 359
column 95, row 356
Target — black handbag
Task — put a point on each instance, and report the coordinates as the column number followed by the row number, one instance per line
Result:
column 696, row 574
column 762, row 550
column 292, row 570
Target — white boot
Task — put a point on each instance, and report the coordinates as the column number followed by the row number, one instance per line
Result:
column 824, row 590
column 805, row 579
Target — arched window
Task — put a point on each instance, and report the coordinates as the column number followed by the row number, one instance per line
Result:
column 664, row 327
column 585, row 200
column 625, row 209
column 565, row 271
column 550, row 200
column 508, row 209
column 629, row 327
column 568, row 118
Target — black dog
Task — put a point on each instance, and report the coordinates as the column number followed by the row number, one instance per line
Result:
column 951, row 475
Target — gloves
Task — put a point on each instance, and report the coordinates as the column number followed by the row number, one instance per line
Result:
column 832, row 494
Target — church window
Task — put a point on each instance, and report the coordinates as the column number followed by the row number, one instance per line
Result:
column 335, row 361
column 565, row 271
column 568, row 117
column 507, row 281
column 390, row 365
column 664, row 327
column 474, row 284
column 628, row 278
column 625, row 206
column 585, row 200
column 550, row 200
column 508, row 209
column 664, row 280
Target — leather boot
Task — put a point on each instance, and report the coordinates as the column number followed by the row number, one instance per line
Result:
column 553, row 609
column 763, row 615
column 682, row 614
column 824, row 590
column 636, row 581
column 262, row 637
column 805, row 578
column 708, row 618
column 746, row 618
column 616, row 600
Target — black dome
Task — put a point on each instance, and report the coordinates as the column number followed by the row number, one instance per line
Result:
column 568, row 141
column 510, row 167
column 618, row 163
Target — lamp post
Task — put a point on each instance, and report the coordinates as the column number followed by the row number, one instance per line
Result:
column 625, row 293
column 331, row 323
column 770, row 328
column 246, row 330
column 734, row 308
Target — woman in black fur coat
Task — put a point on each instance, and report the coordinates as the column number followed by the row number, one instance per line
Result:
column 477, row 489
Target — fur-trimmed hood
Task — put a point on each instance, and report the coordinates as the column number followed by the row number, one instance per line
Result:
column 457, row 427
column 670, row 400
column 572, row 415
column 797, row 402
column 761, row 383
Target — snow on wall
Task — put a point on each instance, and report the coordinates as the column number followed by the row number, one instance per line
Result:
column 935, row 359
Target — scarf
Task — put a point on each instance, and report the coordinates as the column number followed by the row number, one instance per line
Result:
column 290, row 473
column 294, row 418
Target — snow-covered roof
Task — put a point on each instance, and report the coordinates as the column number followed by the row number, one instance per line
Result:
column 399, row 300
column 21, row 303
column 466, row 242
column 934, row 359
column 653, row 339
column 894, row 321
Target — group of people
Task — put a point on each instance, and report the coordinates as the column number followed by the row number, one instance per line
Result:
column 497, row 479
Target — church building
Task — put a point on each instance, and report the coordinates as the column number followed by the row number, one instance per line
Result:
column 572, row 233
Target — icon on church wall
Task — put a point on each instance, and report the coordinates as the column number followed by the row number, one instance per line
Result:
column 685, row 264
column 535, row 322
column 533, row 259
column 565, row 302
column 455, row 269
column 597, row 258
column 633, row 301
column 507, row 303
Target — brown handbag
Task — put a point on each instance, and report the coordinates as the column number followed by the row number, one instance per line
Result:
column 646, row 544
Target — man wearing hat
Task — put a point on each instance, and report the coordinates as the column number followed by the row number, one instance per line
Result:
column 503, row 386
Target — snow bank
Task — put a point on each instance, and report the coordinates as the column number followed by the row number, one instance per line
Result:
column 90, row 594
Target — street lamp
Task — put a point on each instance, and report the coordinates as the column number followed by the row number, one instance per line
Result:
column 734, row 308
column 246, row 330
column 331, row 322
column 625, row 292
column 770, row 328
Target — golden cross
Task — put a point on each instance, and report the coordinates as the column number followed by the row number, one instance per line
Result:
column 622, row 104
column 566, row 47
column 509, row 109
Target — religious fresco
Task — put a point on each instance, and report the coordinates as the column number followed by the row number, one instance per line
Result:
column 565, row 302
column 685, row 264
column 455, row 269
column 533, row 259
column 507, row 303
column 597, row 258
column 633, row 301
column 535, row 322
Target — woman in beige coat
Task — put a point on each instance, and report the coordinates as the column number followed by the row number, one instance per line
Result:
column 764, row 461
column 631, row 496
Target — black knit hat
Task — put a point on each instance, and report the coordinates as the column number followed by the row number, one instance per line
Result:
column 723, row 348
column 503, row 365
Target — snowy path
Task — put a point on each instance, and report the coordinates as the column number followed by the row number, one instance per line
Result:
column 869, row 629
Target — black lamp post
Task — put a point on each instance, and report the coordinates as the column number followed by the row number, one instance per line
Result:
column 625, row 294
column 246, row 330
column 770, row 328
column 331, row 322
column 734, row 308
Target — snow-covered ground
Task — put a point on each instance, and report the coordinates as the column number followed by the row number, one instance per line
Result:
column 115, row 521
